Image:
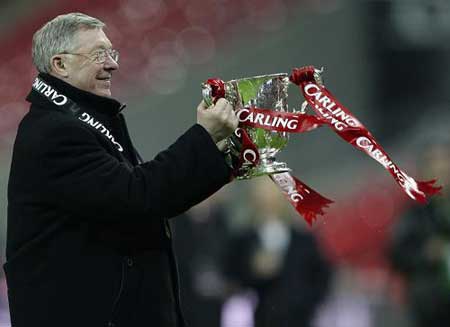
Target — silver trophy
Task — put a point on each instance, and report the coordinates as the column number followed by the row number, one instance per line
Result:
column 268, row 92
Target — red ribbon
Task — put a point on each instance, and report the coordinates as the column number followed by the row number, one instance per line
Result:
column 348, row 127
column 307, row 202
column 249, row 154
column 279, row 121
column 217, row 88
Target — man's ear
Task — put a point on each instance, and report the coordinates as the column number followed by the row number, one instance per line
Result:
column 59, row 66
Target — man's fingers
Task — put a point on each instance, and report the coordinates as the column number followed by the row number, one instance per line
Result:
column 233, row 119
column 219, row 120
column 222, row 104
column 229, row 115
column 202, row 106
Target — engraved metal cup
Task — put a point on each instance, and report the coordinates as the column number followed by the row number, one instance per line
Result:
column 267, row 92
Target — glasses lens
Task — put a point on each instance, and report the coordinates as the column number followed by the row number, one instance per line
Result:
column 114, row 54
column 101, row 56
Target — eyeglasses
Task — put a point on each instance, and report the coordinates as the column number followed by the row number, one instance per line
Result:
column 99, row 56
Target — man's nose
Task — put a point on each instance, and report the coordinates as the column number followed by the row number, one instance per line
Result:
column 110, row 63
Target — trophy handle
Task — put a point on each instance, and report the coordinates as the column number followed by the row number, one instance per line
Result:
column 318, row 76
column 207, row 94
column 212, row 90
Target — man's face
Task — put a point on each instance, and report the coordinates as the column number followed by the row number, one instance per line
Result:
column 82, row 70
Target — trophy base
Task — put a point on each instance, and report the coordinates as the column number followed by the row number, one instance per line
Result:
column 265, row 167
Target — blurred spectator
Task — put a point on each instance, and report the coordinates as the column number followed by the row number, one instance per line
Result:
column 361, row 297
column 348, row 304
column 421, row 246
column 199, row 239
column 278, row 260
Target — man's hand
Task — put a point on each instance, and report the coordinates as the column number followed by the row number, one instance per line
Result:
column 219, row 120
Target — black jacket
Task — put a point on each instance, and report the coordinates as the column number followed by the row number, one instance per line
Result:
column 88, row 243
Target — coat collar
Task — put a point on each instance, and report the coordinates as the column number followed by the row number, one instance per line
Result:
column 104, row 105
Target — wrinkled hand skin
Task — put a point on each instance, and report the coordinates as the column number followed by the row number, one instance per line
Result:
column 219, row 120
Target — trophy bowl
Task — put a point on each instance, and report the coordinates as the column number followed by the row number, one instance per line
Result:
column 265, row 92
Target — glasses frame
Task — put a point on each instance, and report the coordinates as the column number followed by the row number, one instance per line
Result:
column 99, row 56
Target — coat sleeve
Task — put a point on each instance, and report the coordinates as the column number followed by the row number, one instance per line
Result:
column 81, row 176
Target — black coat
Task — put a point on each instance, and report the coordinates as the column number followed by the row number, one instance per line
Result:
column 88, row 242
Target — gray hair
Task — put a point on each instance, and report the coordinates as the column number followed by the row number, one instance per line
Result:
column 57, row 36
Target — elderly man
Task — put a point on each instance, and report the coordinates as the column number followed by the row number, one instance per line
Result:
column 88, row 240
